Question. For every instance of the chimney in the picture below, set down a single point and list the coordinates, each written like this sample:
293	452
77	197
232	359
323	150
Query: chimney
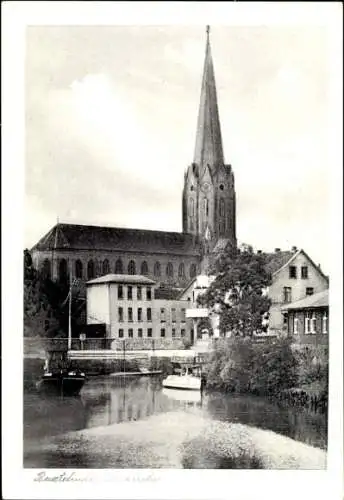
294	249
319	266
277	250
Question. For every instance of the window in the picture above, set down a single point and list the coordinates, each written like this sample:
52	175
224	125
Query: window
120	314
78	269
119	267
304	272
295	326
149	332
144	268
120	291
183	314
174	315
130	314
192	207
309	291
149	314
192	270
63	274
292	272
139	332
90	270
106	267
307	323
130	333
222	187
206	207
181	270
46	324
173	332
287	294
162	332
139	314
222	227
121	333
131	267
139	293
182	332
169	270
313	323
47	269
162	315
130	292
324	323
149	293
222	207
157	269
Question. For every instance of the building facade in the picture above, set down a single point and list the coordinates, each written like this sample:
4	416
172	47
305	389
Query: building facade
126	304
308	320
171	259
294	277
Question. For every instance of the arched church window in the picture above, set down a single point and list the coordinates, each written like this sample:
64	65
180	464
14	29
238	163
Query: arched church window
169	270
119	267
192	207
191	188
206	207
222	187
131	267
222	227
192	270
222	207
181	270
46	269
157	269
90	270
144	268
63	273
106	267
78	269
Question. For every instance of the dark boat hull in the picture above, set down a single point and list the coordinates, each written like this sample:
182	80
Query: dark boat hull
62	385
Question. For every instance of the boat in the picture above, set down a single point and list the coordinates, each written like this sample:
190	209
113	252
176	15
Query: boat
188	397
62	382
60	376
187	377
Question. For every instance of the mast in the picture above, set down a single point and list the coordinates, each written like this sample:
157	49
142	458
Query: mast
70	318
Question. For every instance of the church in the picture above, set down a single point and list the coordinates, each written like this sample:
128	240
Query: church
171	259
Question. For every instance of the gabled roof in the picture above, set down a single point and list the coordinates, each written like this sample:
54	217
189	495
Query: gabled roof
80	237
311	302
280	260
275	261
122	278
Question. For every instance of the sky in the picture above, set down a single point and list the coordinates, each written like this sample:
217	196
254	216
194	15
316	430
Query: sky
111	115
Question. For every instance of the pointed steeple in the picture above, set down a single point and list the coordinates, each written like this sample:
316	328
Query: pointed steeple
208	148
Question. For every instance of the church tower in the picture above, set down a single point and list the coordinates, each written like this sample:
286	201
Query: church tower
209	192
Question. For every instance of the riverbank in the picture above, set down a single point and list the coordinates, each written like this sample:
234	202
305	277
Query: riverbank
176	440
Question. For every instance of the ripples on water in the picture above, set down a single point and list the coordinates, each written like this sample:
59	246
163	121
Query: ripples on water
107	402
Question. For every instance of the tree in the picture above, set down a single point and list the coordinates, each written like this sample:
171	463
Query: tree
237	293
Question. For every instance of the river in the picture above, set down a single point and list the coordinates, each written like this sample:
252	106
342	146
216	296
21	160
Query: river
135	423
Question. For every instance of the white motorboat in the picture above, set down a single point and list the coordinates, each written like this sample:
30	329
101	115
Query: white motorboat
189	378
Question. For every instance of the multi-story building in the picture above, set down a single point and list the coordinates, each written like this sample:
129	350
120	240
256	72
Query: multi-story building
294	277
308	319
126	304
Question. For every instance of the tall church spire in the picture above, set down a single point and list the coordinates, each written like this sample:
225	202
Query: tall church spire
208	148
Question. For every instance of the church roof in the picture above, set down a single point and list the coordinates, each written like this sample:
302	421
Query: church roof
80	237
208	149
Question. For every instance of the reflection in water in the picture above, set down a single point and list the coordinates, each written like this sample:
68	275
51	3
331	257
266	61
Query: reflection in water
109	401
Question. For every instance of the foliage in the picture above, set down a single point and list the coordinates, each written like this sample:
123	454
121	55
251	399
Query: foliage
45	305
242	365
237	293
